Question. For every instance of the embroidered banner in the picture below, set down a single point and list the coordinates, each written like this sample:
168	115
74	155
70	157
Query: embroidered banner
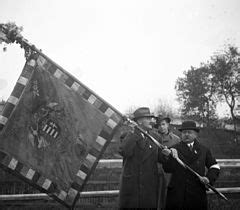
54	130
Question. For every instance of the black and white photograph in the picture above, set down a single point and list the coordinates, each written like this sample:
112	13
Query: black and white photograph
131	104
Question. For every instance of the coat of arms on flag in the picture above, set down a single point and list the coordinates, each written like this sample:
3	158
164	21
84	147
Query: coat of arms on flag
54	129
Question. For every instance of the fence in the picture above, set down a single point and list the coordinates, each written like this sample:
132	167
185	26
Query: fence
108	199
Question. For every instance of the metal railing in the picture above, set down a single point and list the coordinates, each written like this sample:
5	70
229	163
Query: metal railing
93	194
117	163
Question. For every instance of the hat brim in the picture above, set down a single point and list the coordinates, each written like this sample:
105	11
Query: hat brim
139	117
190	128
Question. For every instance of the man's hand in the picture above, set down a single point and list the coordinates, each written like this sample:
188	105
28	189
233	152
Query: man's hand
131	127
130	124
174	153
171	151
166	151
204	180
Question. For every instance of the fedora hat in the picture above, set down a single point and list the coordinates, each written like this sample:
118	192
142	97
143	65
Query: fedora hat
142	112
189	125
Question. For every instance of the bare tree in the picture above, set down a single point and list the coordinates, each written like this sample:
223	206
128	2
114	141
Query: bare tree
165	108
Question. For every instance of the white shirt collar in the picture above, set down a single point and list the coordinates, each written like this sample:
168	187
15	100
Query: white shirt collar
190	144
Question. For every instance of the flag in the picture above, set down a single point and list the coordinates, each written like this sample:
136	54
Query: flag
54	129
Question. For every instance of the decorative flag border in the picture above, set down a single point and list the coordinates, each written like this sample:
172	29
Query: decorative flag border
28	174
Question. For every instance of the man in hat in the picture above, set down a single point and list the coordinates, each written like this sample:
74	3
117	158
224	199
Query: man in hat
139	180
186	191
169	139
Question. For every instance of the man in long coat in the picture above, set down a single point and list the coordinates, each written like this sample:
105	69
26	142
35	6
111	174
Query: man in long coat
169	139
139	180
186	191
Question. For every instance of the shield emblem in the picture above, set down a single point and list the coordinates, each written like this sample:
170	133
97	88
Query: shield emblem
54	130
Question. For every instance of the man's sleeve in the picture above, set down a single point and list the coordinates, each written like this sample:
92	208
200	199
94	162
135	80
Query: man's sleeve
127	143
168	162
213	168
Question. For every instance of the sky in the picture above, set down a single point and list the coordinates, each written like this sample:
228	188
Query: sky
129	52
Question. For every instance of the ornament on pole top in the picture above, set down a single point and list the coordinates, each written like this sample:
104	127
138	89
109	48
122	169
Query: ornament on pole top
11	33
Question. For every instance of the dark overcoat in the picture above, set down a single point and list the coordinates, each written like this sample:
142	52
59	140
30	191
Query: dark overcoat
139	179
185	191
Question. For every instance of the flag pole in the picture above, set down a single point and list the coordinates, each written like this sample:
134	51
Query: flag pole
12	34
180	162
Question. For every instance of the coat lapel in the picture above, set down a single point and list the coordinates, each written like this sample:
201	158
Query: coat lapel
190	156
196	150
150	147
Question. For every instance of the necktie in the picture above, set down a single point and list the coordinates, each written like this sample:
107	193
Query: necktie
191	147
